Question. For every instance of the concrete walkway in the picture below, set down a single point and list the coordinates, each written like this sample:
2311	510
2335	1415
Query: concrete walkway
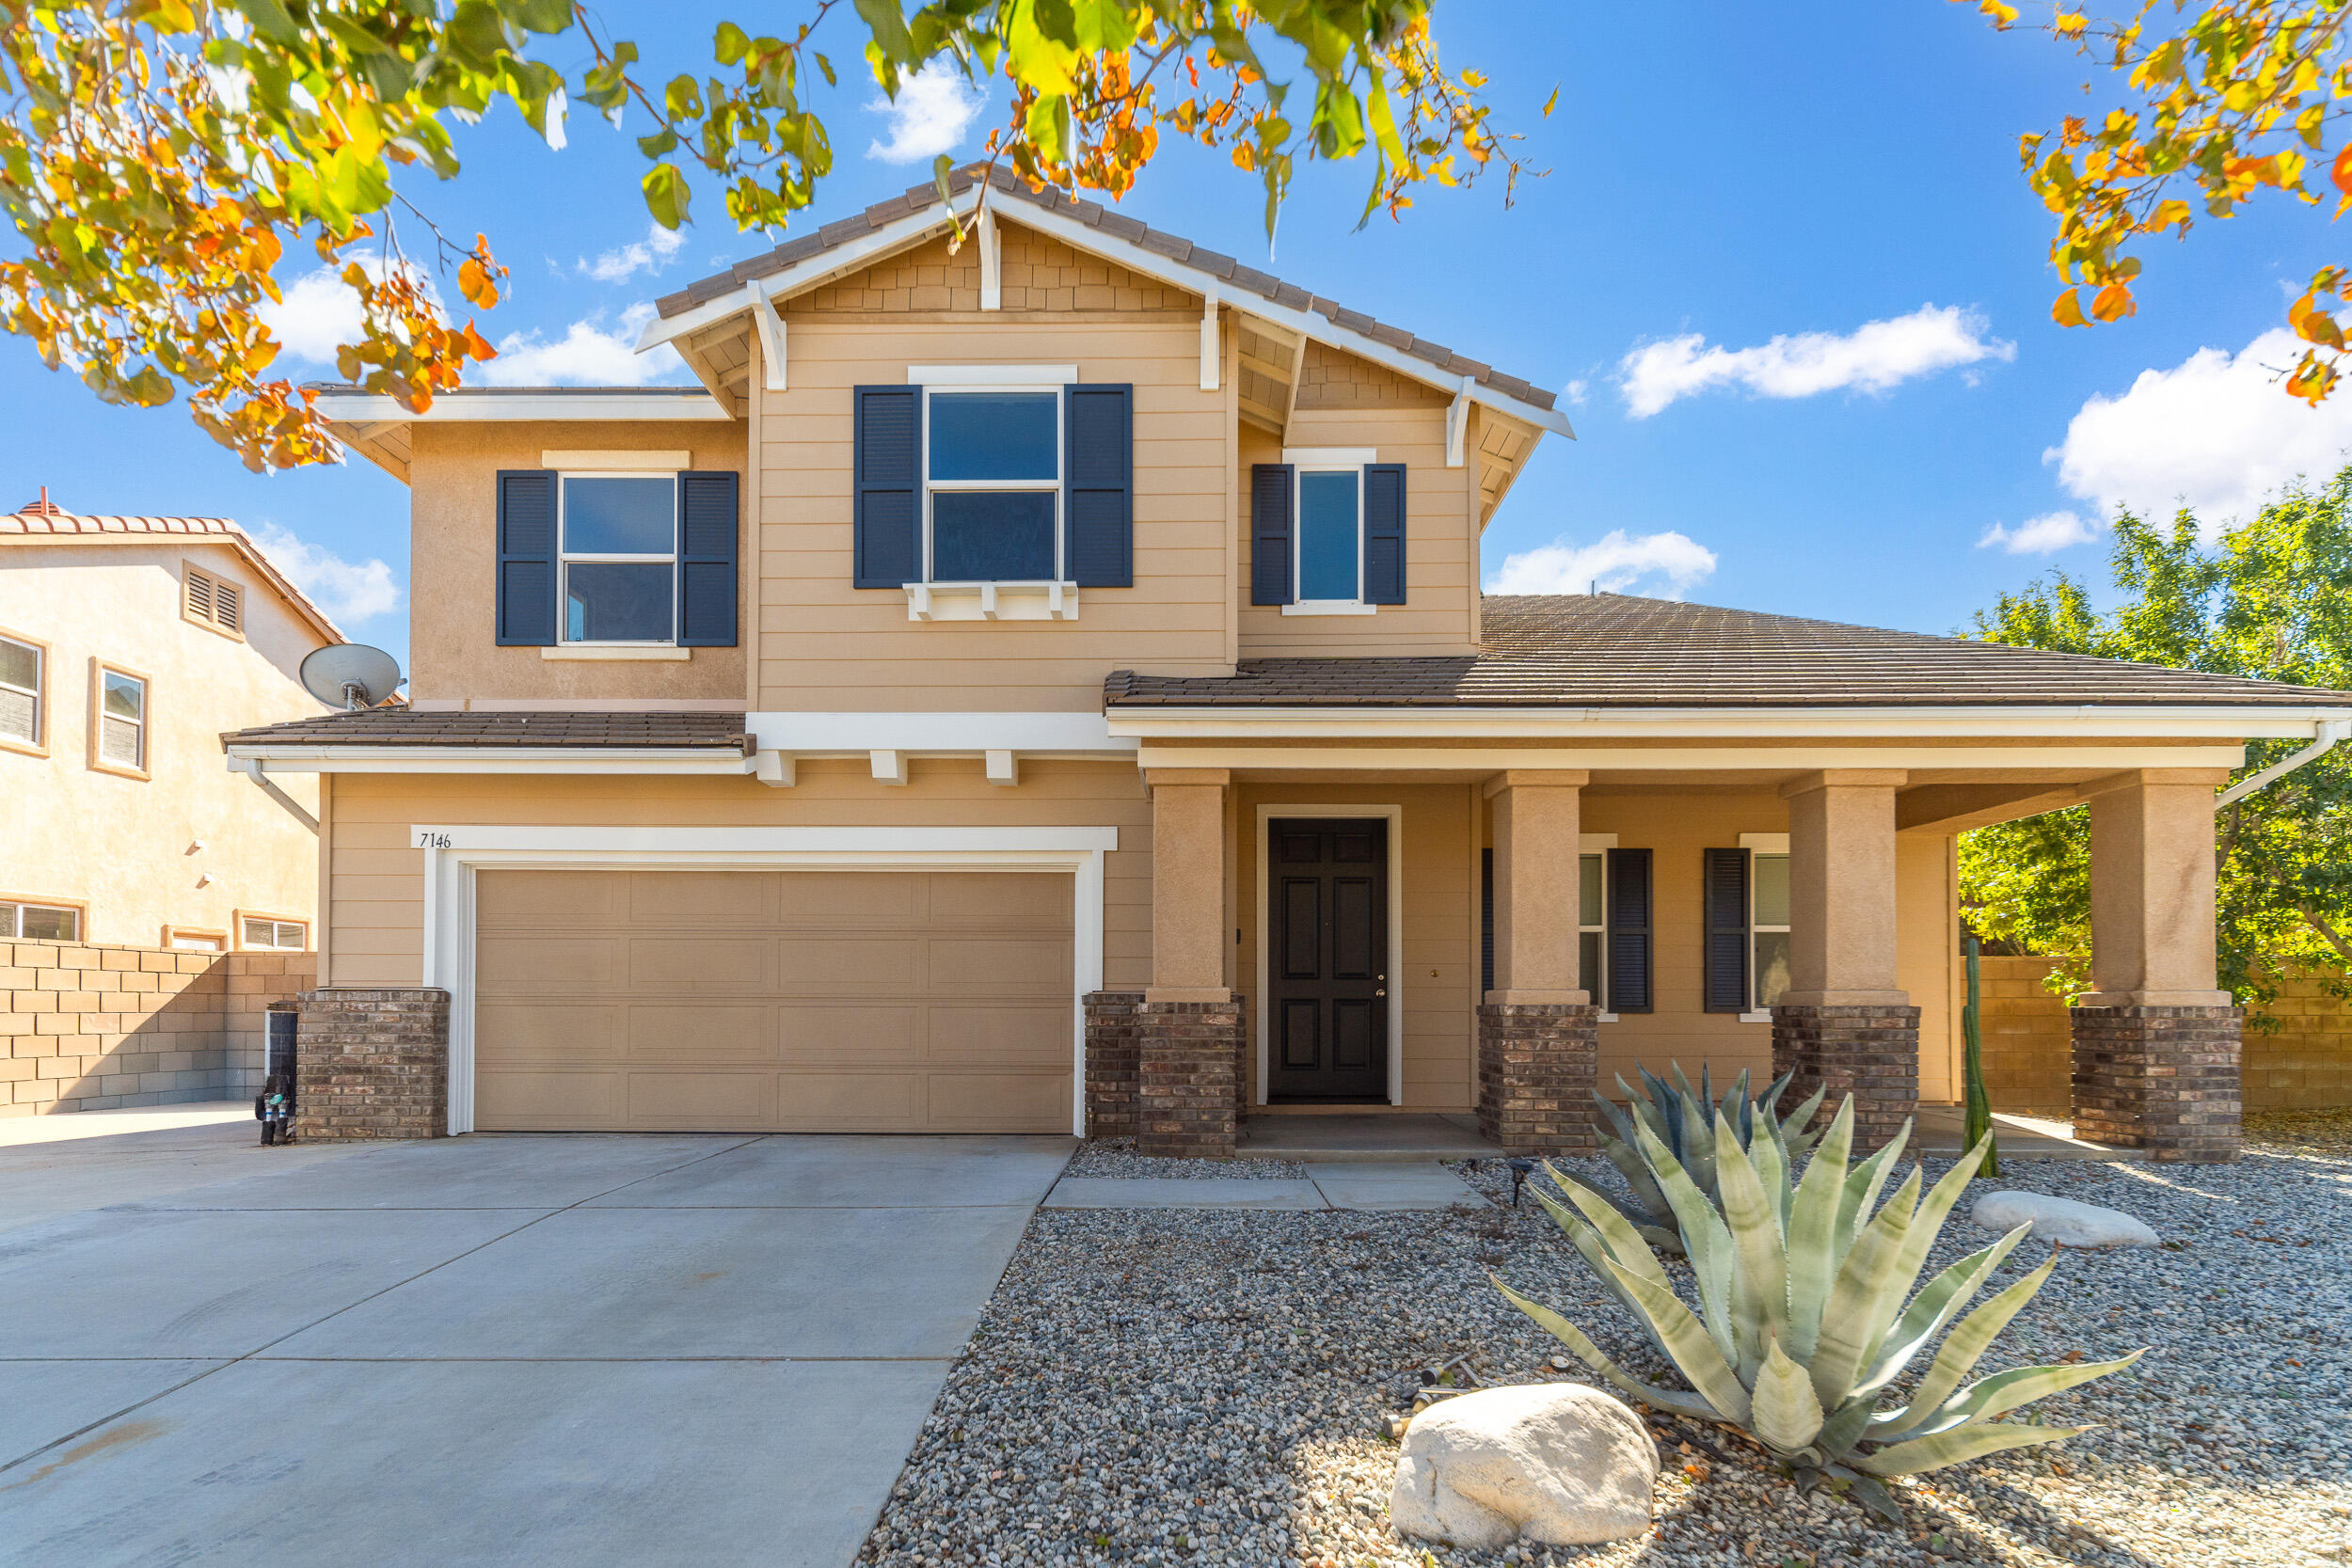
581	1350
1369	1185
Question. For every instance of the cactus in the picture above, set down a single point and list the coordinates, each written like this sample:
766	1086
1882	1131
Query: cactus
1801	1324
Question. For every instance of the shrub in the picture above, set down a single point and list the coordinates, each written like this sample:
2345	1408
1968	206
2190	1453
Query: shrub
1681	1117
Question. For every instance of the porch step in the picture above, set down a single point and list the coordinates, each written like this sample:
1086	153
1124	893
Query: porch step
1394	1138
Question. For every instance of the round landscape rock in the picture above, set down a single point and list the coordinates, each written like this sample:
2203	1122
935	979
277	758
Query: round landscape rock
1561	1464
2062	1220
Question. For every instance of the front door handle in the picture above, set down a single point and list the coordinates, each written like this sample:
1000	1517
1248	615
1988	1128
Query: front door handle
1382	991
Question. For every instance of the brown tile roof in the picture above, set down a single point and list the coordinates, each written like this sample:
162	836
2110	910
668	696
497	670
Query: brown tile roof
1119	226
33	523
407	726
1618	651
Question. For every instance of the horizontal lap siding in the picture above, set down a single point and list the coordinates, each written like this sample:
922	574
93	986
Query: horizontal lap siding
826	645
377	896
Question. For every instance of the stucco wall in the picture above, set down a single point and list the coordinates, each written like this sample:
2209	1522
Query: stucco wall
126	847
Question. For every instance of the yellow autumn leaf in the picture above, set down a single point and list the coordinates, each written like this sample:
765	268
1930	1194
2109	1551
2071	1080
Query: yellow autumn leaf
2066	309
2113	303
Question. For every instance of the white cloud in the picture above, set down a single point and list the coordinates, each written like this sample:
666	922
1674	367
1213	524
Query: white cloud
587	355
933	109
348	591
650	254
319	312
1574	391
1617	563
2215	433
1873	358
2051	531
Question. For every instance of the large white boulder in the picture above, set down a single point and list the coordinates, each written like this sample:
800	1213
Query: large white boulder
2061	1219
1558	1463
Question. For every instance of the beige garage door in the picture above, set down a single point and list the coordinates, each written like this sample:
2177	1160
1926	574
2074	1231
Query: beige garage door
772	1001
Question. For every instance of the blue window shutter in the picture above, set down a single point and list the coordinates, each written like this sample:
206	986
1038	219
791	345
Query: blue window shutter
1630	931
888	507
1726	952
1098	486
526	545
1384	533
1270	491
706	534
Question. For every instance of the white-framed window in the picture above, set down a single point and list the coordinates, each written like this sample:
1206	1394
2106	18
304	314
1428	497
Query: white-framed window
1327	530
23	714
1592	927
618	537
266	933
1768	920
119	720
992	463
183	939
27	920
211	601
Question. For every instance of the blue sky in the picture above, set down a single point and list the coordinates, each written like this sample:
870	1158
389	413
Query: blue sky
1784	263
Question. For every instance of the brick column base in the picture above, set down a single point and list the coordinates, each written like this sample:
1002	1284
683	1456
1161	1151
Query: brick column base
2162	1080
1111	1062
1871	1052
1188	1077
372	1064
1537	1066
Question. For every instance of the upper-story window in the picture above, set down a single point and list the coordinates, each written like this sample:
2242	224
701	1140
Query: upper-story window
118	722
991	483
619	557
1328	531
22	713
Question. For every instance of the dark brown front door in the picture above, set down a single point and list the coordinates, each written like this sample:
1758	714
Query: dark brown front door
1327	961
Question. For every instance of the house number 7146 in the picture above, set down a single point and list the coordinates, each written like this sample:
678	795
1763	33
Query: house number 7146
431	841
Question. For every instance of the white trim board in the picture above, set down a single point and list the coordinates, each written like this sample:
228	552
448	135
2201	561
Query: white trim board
933	733
1783	723
293	758
1394	816
635	403
456	854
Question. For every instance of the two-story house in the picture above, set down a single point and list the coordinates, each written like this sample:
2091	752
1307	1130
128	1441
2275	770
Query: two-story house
1040	683
127	645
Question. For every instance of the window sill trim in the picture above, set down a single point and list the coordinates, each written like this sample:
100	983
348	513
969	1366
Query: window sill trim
594	652
1329	607
1604	1018
1757	1014
30	749
119	771
991	601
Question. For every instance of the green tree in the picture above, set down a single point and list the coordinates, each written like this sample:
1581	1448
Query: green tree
2272	599
157	157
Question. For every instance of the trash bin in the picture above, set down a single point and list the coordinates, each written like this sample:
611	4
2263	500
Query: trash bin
275	1107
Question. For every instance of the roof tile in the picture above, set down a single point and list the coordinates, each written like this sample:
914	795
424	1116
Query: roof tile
406	726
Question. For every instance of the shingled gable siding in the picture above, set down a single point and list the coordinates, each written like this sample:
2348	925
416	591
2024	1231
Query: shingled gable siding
824	644
453	624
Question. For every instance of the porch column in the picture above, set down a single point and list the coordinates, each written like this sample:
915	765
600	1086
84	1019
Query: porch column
2156	1064
1538	1035
1188	1029
1844	1022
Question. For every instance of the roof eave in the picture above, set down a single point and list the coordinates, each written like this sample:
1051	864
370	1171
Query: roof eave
361	757
1353	721
353	412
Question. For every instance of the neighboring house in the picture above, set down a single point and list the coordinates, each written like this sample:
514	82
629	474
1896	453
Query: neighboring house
127	645
1042	684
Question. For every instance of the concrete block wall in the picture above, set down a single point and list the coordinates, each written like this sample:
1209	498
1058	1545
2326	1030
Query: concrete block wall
2306	1064
91	1028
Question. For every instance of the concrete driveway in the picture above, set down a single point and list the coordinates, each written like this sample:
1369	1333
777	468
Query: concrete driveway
562	1349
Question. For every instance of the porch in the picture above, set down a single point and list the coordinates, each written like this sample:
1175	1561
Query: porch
1474	953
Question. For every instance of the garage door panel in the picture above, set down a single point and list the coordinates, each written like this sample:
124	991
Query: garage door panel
999	1036
548	1102
997	1101
785	1001
707	966
552	1032
686	1034
701	1101
850	1034
554	965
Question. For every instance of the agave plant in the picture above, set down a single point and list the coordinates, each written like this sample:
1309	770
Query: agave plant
1679	1117
1802	1327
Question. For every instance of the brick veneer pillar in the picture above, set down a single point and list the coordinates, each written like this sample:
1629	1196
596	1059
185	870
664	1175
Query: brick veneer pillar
1111	1062
1188	1077
372	1064
1537	1064
2162	1080
1871	1052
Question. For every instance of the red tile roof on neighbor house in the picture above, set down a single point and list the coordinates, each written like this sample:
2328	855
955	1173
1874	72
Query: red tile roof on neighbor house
1004	182
43	522
1614	650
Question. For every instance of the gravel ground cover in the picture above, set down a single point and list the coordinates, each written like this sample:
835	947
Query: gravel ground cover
1186	1386
1118	1157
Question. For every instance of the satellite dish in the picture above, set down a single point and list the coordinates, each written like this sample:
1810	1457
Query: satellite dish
350	674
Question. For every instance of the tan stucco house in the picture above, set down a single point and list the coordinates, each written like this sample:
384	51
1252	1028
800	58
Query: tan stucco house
1042	684
127	645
